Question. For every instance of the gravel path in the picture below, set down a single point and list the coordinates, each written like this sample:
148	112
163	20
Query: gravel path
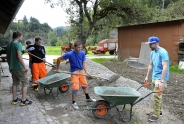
97	69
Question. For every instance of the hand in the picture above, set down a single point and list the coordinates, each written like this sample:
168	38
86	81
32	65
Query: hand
58	70
44	60
24	51
87	73
26	69
146	80
161	86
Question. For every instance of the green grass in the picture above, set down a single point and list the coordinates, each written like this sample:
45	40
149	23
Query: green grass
103	60
53	50
175	69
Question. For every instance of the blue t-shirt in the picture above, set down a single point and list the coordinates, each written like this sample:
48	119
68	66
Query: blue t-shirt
157	57
76	60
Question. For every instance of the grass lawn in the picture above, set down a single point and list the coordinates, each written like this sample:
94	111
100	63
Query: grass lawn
176	69
53	50
102	60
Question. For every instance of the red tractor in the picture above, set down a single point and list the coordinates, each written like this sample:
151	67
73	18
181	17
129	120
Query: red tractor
106	45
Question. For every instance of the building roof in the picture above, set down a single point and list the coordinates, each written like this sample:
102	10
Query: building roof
8	11
176	20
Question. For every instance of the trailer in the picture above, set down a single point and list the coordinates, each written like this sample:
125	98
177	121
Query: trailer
106	45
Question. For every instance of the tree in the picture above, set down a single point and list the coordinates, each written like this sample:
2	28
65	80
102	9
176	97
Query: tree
53	41
85	14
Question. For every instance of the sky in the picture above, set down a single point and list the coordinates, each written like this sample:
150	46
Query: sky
43	12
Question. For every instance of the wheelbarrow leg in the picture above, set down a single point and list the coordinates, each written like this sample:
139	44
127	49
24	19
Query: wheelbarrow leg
128	120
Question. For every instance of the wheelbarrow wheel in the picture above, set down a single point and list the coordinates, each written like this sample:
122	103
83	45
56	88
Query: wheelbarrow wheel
47	91
64	87
102	107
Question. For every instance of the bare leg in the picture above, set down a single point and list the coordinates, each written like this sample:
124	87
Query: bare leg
85	91
73	96
14	92
24	92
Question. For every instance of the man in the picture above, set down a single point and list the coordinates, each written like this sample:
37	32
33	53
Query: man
38	65
159	62
77	65
18	69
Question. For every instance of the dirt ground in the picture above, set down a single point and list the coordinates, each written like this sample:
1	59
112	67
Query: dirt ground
174	94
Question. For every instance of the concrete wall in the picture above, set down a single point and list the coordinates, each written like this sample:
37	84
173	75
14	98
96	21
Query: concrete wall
144	55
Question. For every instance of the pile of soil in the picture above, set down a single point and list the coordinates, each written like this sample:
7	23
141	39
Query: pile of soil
173	97
56	78
114	92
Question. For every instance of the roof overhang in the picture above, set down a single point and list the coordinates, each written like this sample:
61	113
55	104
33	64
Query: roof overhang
8	11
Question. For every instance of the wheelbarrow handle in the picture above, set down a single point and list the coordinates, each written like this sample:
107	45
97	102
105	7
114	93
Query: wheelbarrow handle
144	85
157	91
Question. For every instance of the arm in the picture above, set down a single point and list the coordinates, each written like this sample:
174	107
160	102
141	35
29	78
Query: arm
19	55
21	60
164	64
44	53
85	68
58	64
149	69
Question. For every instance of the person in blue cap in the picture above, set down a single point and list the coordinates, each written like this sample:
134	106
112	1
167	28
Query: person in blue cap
159	64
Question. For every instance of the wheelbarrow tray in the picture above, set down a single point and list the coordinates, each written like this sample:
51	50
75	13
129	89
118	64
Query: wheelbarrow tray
57	83
129	98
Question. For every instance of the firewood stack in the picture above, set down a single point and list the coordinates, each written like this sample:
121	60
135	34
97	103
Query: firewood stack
181	50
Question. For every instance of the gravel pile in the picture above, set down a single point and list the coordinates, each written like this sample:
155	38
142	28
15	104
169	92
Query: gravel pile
114	92
56	78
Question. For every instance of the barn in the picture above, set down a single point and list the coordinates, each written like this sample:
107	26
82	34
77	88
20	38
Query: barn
170	33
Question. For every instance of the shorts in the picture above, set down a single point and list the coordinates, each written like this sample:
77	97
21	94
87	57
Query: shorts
20	76
78	79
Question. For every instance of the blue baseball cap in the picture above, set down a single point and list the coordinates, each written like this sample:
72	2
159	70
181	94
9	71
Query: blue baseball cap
153	39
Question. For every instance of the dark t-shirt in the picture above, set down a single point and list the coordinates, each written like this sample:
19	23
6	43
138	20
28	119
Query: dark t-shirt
38	51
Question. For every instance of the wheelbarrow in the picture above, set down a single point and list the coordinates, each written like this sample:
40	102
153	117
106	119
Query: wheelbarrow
61	84
101	107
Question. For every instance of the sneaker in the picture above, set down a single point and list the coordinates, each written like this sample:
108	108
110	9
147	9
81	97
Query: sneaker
26	102
14	102
151	113
90	100
75	106
153	118
36	89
